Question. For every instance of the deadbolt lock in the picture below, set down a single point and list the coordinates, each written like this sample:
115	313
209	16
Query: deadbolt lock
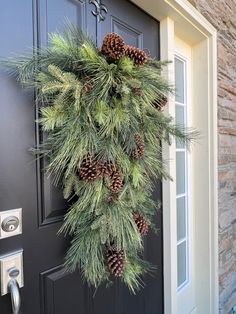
10	224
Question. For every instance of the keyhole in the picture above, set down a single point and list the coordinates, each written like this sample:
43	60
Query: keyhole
11	228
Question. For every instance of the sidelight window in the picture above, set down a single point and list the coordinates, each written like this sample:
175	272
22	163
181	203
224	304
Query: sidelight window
182	206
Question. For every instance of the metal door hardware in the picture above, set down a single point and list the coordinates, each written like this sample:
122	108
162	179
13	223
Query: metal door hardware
99	10
10	223
11	269
15	296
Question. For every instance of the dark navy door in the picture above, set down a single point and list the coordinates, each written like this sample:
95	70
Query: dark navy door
47	289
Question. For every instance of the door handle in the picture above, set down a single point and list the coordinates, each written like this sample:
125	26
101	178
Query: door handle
11	271
13	288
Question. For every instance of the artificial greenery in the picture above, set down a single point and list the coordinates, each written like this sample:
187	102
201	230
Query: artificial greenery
94	106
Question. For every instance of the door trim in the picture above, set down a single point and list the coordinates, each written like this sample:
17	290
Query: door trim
179	18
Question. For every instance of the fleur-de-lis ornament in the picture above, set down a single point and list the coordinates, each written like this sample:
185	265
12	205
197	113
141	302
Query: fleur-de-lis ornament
100	9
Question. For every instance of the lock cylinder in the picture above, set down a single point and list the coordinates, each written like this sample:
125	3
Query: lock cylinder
10	224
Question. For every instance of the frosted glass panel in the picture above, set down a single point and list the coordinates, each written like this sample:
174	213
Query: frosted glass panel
179	119
180	172
179	115
182	266
182	209
181	218
179	80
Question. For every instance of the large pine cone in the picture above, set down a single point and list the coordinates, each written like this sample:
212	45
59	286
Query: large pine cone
116	182
141	223
88	170
137	55
116	261
160	103
139	151
113	46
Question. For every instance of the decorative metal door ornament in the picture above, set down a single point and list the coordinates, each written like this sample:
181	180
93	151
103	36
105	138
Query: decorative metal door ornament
99	9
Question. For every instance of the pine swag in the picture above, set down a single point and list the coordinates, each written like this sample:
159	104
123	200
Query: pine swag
101	110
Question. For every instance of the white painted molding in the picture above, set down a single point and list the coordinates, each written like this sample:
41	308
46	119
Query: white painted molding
169	187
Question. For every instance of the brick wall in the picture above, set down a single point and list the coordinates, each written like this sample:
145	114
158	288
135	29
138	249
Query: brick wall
222	14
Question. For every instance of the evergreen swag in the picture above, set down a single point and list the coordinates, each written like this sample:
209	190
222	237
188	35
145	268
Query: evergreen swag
102	112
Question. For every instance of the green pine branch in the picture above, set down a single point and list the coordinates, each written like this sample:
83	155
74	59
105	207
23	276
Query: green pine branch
101	120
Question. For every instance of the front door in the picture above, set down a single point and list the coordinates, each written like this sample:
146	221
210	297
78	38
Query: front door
47	289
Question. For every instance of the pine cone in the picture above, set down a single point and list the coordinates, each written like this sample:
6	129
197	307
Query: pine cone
139	151
137	91
88	169
116	183
141	223
160	103
137	55
86	87
116	261
113	46
106	169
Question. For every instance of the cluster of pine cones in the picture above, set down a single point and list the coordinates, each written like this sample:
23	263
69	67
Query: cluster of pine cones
114	48
116	257
91	169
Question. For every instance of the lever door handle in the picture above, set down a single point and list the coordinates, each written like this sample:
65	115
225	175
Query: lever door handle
14	290
15	296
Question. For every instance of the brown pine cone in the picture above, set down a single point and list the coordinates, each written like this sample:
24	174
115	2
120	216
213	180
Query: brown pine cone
160	103
141	223
139	151
115	261
137	91
116	182
113	46
137	55
109	168
86	88
106	169
88	169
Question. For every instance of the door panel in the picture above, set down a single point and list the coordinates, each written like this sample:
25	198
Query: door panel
51	16
55	300
136	27
47	289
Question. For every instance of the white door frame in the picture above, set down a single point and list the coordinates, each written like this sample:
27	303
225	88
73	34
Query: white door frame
180	18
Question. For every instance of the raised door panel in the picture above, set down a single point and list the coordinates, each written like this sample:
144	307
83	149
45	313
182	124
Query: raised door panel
62	293
52	15
137	27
